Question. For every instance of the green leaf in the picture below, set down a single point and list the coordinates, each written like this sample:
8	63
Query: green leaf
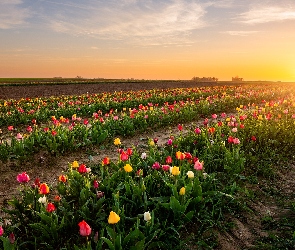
128	191
134	235
110	244
111	232
138	246
175	205
102	137
118	242
6	244
45	218
189	216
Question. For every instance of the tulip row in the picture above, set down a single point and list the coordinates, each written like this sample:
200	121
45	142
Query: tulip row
16	112
76	132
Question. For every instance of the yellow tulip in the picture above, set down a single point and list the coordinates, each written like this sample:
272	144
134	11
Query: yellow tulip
128	168
182	191
113	218
175	170
75	164
117	141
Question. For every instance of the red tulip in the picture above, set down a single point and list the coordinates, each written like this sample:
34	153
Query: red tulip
168	159
82	169
50	207
62	178
124	156
106	161
95	184
85	229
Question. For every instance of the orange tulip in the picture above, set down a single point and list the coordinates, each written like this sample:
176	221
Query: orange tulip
43	189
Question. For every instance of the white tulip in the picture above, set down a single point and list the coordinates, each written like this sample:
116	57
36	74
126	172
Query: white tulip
43	200
190	174
147	216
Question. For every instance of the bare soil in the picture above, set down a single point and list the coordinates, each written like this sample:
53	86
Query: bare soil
247	228
17	92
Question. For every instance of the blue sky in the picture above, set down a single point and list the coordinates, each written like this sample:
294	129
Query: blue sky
175	39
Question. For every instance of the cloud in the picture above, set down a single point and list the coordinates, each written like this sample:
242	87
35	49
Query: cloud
144	21
265	14
12	14
239	32
222	3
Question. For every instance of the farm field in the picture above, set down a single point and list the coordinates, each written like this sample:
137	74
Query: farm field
156	166
18	88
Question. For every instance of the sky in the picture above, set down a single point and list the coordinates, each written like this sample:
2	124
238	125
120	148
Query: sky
148	39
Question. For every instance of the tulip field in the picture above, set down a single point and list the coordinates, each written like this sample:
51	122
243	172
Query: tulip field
228	149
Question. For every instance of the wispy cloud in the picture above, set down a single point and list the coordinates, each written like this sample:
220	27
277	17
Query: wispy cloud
265	14
12	14
147	21
222	3
240	32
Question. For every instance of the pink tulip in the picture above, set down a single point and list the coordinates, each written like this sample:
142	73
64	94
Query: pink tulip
236	141
23	178
223	115
19	136
29	129
156	166
166	168
169	142
198	131
198	165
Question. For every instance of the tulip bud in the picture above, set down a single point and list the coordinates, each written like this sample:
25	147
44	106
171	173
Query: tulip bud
182	191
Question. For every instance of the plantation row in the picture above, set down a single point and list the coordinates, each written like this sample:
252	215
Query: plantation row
65	124
152	196
24	111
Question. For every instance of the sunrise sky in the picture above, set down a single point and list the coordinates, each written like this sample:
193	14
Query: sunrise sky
148	39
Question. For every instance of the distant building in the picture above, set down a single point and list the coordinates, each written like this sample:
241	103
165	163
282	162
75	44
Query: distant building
204	79
237	79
